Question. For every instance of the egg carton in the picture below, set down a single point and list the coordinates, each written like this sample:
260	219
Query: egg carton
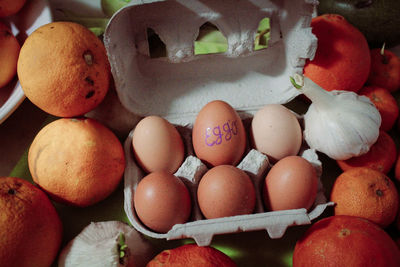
178	85
255	165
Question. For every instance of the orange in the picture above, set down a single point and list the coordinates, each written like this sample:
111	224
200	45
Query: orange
10	7
366	193
385	102
30	228
76	161
9	51
381	155
63	69
345	241
385	69
397	170
191	255
342	60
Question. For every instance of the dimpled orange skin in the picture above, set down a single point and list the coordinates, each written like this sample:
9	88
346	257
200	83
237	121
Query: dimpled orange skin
385	70
63	69
76	161
10	7
191	255
381	156
30	228
366	193
385	102
342	60
218	134
345	241
9	51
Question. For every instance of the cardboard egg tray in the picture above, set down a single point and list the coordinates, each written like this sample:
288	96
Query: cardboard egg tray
179	84
255	165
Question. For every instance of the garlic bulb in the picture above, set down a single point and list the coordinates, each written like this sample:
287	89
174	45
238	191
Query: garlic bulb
107	244
340	124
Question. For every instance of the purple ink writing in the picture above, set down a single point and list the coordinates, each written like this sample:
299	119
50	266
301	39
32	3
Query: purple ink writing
217	134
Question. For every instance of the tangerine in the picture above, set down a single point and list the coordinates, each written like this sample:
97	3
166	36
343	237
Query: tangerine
63	69
76	161
385	69
346	241
385	102
381	155
342	60
10	7
366	193
192	255
30	228
9	51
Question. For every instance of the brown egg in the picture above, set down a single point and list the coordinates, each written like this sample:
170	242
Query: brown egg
218	134
290	184
157	145
225	191
162	200
276	132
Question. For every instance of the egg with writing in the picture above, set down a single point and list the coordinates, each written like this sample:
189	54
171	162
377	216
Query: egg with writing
290	184
218	134
276	132
162	200
224	191
157	145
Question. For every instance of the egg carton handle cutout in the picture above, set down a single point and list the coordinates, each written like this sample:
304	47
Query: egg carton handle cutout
179	84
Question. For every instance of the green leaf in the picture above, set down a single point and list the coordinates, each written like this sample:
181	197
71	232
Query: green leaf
263	35
210	41
109	7
94	24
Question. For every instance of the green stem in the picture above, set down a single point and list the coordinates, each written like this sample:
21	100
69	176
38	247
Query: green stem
313	91
122	247
385	59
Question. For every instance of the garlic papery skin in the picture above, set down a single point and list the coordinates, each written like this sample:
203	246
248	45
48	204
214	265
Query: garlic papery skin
97	246
340	124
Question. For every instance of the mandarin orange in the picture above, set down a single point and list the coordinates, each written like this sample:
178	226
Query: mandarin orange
342	60
76	161
385	102
30	228
345	241
10	7
381	156
385	69
366	193
63	69
9	51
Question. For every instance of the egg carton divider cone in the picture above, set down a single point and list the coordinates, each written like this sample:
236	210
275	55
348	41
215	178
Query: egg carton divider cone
179	84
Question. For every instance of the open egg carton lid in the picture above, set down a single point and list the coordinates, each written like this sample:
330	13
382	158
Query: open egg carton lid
178	85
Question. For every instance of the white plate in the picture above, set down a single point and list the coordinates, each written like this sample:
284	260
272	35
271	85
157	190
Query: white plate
34	14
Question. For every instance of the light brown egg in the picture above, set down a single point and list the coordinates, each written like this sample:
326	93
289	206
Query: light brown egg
162	200
225	191
290	184
157	145
276	132
218	134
